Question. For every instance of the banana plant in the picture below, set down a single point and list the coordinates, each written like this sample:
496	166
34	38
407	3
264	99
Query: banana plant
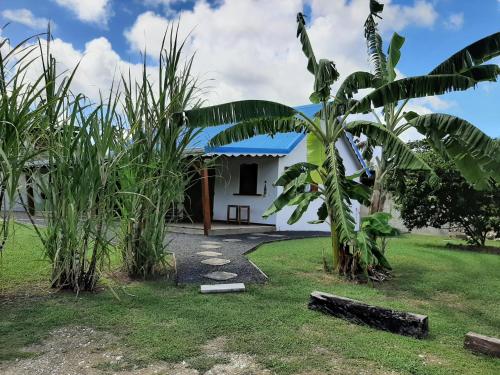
475	154
324	166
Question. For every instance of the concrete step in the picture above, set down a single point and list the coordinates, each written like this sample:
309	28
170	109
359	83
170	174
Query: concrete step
222	288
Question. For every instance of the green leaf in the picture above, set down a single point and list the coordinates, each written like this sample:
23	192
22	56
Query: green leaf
293	172
488	72
336	195
394	55
377	225
234	112
306	44
476	155
303	200
282	201
359	192
315	155
382	260
350	86
395	150
326	75
472	55
374	43
413	87
248	129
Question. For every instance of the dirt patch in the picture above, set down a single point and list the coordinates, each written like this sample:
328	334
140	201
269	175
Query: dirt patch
226	363
85	351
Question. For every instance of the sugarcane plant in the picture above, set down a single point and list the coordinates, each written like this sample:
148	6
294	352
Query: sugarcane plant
156	168
324	166
19	115
79	181
475	155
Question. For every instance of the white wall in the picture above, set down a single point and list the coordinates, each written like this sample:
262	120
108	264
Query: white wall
227	183
299	154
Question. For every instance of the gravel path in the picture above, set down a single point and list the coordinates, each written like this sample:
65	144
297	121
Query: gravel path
190	270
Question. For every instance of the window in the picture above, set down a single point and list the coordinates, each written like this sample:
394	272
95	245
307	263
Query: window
248	179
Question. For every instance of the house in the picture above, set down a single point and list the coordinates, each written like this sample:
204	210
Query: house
240	180
243	175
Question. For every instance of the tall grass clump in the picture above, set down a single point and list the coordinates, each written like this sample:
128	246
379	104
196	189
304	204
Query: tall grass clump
19	112
80	185
154	172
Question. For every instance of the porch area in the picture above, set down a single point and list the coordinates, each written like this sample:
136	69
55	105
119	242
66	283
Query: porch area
220	228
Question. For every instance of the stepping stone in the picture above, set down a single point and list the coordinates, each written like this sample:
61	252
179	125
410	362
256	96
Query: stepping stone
211	243
210	246
253	238
216	261
232	240
209	254
222	288
276	235
220	275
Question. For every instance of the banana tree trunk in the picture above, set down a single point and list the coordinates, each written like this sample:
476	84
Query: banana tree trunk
335	243
379	193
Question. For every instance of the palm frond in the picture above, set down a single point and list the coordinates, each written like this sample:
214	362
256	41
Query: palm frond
488	72
303	201
396	151
336	195
412	87
472	55
248	129
233	112
397	42
293	172
476	155
312	64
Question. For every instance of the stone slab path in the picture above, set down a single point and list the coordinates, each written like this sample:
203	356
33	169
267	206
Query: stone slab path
194	266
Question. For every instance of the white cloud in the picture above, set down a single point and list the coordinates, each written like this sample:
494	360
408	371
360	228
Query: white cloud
90	11
26	18
454	21
99	66
248	47
250	50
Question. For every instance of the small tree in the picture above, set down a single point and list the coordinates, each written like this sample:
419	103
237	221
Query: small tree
452	201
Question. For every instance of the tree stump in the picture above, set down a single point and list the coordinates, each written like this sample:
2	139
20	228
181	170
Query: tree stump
482	344
403	323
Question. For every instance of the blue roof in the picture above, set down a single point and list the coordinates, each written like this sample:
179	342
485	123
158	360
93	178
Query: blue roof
281	143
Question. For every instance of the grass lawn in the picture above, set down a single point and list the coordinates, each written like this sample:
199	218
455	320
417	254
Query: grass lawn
458	290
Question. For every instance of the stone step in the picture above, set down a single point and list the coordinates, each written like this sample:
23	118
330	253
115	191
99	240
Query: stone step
222	288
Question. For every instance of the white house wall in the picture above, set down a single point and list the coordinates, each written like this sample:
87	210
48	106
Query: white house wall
299	154
227	183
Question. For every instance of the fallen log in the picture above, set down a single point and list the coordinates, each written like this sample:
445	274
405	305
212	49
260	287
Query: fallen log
482	344
402	323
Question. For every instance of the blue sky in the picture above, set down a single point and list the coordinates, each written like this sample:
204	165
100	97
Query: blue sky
247	49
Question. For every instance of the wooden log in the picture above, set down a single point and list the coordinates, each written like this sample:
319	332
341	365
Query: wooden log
402	323
482	344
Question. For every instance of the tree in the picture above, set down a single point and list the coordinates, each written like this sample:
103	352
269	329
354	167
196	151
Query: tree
451	202
324	165
474	154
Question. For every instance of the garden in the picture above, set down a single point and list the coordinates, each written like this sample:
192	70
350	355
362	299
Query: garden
92	286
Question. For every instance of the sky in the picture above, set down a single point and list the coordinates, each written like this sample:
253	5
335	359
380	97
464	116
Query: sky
247	49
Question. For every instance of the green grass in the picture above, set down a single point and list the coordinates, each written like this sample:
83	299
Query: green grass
458	290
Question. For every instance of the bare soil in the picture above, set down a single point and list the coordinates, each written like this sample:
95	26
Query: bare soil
84	351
